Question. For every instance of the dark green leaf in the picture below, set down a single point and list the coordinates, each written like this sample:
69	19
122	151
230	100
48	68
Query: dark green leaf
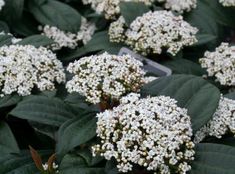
44	110
214	159
9	100
21	163
12	11
75	164
8	143
99	42
86	154
131	10
204	39
194	93
75	132
184	66
26	26
55	13
111	167
4	27
36	40
231	95
5	40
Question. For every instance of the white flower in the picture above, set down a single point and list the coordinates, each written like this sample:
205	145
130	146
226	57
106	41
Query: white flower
227	3
24	67
179	5
130	98
222	122
111	8
153	133
117	30
154	31
54	165
105	77
221	64
2	3
68	39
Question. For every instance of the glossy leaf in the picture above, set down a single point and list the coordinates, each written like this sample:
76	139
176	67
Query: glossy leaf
44	110
75	132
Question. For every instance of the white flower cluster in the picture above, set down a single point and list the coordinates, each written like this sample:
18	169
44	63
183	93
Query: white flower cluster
2	3
227	3
117	30
153	133
179	6
68	39
221	64
111	8
54	165
222	122
24	67
154	31
105	76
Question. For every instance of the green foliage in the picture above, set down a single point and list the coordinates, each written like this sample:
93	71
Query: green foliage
193	93
76	132
131	10
55	13
37	41
44	110
8	143
213	159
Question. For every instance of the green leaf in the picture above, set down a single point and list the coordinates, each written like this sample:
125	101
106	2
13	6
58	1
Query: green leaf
8	143
131	10
111	167
75	132
99	42
193	93
12	10
79	103
9	100
36	40
184	66
75	164
5	40
86	154
204	39
203	18
213	159
26	26
231	95
21	163
44	110
55	13
4	27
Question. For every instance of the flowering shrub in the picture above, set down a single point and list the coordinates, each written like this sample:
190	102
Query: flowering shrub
179	5
222	122
117	86
105	77
153	132
221	64
25	67
68	39
154	31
